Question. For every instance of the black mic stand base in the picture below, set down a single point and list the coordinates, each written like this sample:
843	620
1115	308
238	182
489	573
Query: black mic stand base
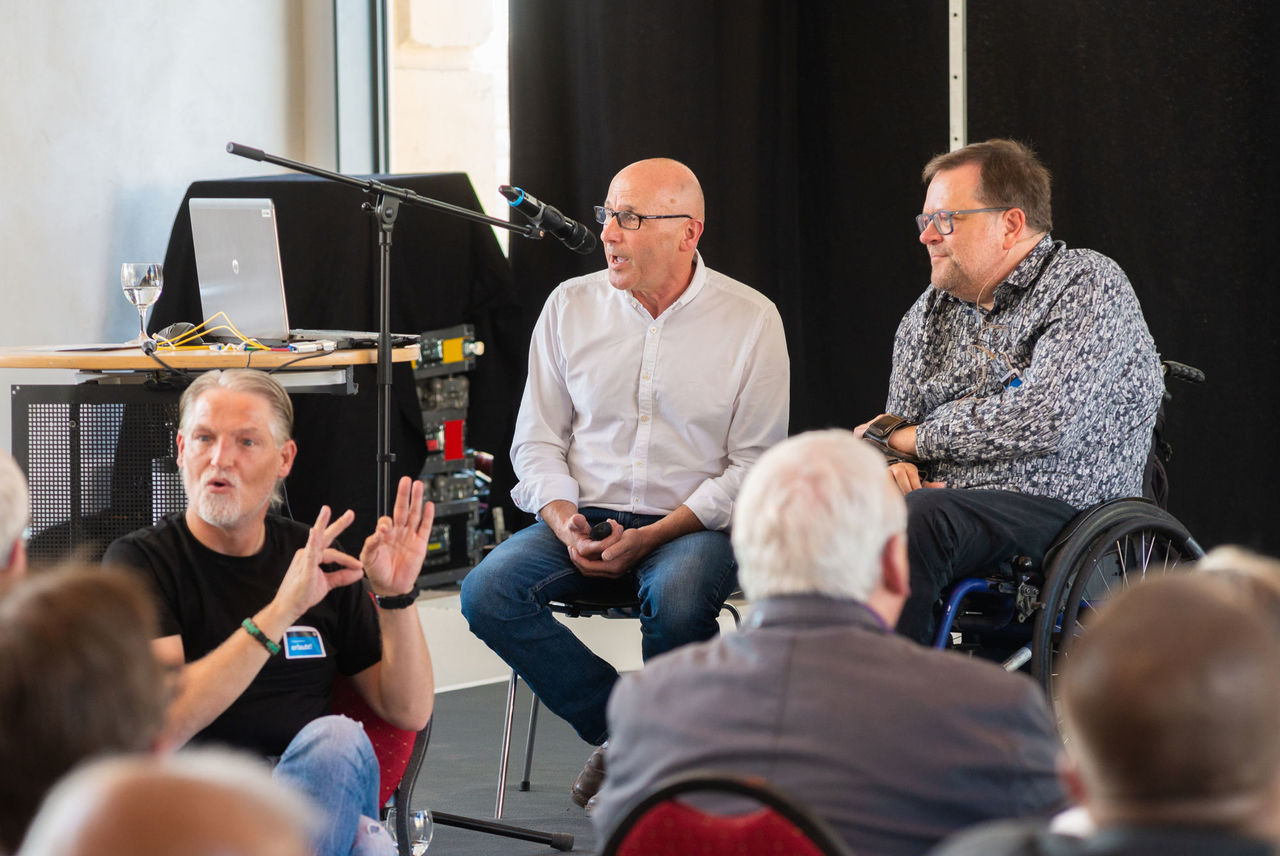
557	840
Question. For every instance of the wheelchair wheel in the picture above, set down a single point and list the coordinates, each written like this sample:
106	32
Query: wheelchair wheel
1116	545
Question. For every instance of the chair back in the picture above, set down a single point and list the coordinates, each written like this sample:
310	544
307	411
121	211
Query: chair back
661	823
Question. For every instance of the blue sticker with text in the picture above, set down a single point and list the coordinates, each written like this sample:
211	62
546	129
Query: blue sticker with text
303	643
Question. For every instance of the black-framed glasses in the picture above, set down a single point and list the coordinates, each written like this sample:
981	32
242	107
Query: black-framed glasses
630	219
943	220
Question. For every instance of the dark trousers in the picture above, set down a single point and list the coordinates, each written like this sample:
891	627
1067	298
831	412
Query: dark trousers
953	533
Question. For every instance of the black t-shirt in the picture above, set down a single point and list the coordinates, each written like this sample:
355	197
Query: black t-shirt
203	595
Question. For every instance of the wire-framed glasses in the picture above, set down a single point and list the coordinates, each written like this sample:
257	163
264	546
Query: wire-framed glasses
943	220
630	219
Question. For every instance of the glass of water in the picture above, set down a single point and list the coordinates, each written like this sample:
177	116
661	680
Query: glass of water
421	826
142	283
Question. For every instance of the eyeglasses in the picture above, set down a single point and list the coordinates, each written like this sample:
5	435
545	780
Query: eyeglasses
630	219
942	220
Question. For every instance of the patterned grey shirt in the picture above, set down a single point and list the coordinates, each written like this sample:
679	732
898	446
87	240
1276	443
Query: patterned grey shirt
1053	392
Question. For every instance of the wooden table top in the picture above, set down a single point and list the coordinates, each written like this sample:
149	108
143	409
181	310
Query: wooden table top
132	359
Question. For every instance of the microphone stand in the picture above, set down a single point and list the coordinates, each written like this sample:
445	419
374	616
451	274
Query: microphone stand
385	208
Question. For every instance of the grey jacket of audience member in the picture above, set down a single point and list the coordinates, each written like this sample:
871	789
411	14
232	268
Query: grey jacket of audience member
895	745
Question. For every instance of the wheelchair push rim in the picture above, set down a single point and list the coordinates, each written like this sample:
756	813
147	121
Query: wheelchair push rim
1077	581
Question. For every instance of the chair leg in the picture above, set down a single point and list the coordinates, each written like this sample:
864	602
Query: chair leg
506	744
528	743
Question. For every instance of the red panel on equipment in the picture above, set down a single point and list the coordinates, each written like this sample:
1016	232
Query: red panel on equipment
453	449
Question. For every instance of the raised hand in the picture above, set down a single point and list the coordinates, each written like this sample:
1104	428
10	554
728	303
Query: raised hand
393	554
305	584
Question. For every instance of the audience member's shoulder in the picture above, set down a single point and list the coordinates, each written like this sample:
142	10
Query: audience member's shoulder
1009	838
960	676
661	672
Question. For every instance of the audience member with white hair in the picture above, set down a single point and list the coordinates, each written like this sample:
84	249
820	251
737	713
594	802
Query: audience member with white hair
200	802
893	744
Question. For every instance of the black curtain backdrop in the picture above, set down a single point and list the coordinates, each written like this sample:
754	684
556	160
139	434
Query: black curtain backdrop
808	124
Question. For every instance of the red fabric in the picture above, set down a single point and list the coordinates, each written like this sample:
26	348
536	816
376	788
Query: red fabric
680	830
392	745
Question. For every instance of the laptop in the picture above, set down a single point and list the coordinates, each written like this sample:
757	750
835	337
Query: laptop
238	266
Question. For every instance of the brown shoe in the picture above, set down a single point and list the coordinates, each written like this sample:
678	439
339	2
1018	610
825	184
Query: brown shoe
590	779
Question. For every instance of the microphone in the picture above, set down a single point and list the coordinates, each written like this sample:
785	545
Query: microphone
571	233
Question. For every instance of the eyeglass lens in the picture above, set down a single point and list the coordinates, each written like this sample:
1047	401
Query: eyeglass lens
941	221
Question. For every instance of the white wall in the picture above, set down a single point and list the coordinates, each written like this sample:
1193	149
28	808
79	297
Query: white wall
108	110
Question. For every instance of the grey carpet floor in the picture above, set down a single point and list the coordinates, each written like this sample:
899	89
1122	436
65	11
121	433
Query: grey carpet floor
460	771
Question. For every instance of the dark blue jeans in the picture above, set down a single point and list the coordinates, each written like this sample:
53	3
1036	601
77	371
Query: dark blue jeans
953	533
681	586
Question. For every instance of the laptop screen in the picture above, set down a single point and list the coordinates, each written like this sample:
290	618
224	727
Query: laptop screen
238	266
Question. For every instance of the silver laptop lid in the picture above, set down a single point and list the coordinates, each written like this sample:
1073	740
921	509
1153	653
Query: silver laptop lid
238	266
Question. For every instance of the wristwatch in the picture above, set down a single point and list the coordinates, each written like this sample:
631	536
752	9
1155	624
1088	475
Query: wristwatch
397	601
877	434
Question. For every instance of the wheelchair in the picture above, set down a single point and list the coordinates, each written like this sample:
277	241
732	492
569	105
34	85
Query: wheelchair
1027	616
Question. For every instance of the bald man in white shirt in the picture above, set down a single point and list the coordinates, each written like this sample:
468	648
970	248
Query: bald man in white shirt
653	386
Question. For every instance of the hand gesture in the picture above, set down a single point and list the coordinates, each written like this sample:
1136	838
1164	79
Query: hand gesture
393	554
305	584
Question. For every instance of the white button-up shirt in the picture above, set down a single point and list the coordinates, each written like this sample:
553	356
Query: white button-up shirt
633	413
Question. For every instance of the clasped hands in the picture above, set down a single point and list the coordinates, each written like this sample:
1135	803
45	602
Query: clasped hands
904	474
392	556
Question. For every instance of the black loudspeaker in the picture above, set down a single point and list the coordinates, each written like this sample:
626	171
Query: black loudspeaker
99	460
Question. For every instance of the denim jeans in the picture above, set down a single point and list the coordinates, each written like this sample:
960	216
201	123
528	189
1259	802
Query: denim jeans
332	762
953	533
680	585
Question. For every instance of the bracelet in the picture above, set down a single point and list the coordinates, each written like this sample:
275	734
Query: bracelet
254	631
397	601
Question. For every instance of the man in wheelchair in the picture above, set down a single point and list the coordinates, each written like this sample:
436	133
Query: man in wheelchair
1025	383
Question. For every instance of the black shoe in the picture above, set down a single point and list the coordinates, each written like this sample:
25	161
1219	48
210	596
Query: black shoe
590	779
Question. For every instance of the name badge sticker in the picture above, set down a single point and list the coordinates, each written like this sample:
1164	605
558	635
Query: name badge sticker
303	643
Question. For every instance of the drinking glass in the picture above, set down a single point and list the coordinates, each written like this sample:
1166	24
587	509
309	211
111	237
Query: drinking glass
142	283
421	826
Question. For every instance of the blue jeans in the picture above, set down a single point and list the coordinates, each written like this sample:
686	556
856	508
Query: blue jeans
331	761
680	585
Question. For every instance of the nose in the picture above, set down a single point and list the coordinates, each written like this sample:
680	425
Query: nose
221	451
930	235
609	232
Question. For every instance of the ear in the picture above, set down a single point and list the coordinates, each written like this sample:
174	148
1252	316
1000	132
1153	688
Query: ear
17	563
894	568
1072	780
288	452
690	234
181	443
1014	222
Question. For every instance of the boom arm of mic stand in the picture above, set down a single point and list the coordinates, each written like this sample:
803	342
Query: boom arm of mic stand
369	185
385	211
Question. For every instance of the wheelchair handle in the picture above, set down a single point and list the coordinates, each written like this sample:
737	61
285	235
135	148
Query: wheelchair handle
1182	371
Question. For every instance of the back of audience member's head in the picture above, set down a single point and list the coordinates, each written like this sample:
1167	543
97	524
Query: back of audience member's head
197	802
814	516
1256	578
14	513
1172	709
77	678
